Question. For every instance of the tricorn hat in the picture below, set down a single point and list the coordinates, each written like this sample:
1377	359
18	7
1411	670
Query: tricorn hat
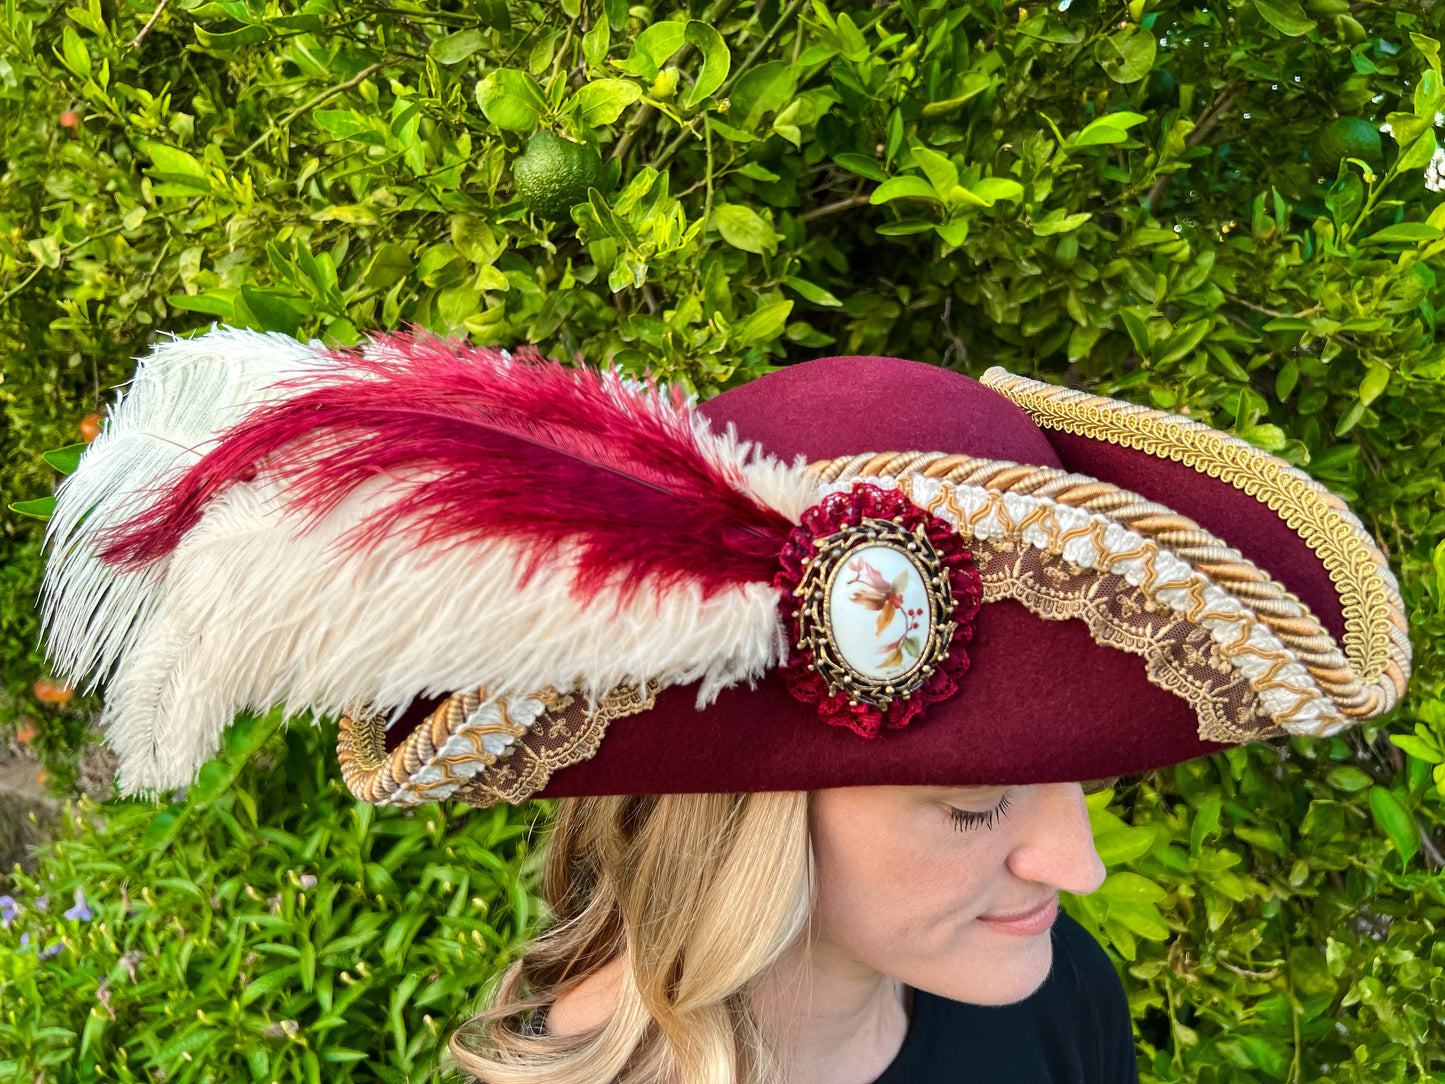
511	578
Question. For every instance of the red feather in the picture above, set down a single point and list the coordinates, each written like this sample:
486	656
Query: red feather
483	449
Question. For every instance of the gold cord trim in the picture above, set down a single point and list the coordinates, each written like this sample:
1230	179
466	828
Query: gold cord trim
1371	602
1285	615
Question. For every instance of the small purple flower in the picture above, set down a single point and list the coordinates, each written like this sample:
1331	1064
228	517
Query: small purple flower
308	880
53	950
42	903
81	912
179	795
8	910
24	940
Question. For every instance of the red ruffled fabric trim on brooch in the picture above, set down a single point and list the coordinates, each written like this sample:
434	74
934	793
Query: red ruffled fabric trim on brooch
837	512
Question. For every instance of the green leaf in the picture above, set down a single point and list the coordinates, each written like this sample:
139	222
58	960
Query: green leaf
66	459
219	302
716	61
901	188
1419	748
1377	378
1128	55
1286	16
349	124
389	264
972	85
744	228
602	101
273	311
454	48
177	167
1205	825
1138	330
812	292
233	39
1183	342
511	100
1437	561
653	48
993	189
77	58
953	233
760	91
1347	778
1429	48
1110	128
595	44
494	13
1130	886
1056	221
1124	844
905	227
1396	821
862	165
1405	231
41	508
764	324
755	171
941	173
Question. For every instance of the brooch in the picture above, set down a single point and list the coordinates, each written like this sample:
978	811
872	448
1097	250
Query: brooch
881	597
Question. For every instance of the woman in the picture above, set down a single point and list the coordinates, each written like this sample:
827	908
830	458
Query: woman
818	699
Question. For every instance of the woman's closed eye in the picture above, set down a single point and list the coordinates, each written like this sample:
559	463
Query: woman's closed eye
969	819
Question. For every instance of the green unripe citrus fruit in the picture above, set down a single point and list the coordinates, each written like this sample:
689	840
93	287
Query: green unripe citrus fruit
554	173
1347	137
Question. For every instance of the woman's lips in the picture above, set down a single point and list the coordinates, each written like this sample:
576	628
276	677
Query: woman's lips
1025	923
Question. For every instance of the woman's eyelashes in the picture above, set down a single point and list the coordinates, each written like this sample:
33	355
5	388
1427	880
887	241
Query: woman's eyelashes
968	819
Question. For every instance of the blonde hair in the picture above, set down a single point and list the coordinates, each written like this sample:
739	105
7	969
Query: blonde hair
698	895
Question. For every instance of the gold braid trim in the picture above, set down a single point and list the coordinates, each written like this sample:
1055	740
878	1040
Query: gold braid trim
546	731
1288	618
1376	640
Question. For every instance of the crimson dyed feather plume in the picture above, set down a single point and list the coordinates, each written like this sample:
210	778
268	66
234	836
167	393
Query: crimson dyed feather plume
321	531
481	447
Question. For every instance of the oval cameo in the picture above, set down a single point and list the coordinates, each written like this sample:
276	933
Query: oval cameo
878	612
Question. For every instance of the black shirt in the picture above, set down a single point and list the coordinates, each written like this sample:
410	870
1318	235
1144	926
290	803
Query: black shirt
1074	1029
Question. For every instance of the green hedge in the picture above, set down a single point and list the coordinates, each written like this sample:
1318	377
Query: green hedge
264	926
1142	199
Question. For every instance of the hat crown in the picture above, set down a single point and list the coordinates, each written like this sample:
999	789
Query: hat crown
845	405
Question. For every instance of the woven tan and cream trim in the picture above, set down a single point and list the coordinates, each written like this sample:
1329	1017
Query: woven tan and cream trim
478	749
1376	631
1138	597
1020	503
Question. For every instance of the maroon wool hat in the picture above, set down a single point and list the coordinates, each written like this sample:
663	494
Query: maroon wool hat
516	579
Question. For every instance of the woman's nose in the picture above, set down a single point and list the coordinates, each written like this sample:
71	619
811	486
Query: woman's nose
1057	847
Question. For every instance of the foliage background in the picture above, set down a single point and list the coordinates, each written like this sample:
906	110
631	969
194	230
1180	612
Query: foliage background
1130	198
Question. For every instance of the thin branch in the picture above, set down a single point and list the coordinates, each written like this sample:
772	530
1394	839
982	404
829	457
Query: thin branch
1207	123
1272	312
135	42
28	278
329	92
1243	972
1437	861
859	200
643	117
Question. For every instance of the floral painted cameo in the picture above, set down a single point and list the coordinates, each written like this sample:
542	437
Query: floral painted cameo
881	597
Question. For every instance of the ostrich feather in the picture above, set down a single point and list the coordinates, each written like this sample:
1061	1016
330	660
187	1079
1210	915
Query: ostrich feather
427	517
182	395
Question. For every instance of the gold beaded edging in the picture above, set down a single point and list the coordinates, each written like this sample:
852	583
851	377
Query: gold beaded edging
1375	624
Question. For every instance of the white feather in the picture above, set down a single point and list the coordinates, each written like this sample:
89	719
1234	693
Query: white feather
182	396
249	611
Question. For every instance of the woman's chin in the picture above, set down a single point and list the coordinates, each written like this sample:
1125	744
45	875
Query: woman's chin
1010	974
